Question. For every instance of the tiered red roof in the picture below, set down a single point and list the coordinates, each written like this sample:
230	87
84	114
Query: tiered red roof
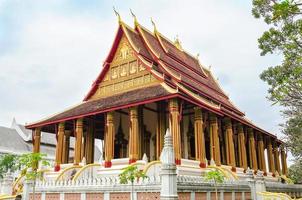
168	63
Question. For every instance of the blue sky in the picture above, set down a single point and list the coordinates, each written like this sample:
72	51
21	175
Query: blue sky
51	51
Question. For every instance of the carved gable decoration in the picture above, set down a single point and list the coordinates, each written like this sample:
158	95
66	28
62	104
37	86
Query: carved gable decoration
125	73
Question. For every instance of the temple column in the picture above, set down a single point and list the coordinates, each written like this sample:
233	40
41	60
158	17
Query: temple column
283	161
252	150
133	136
229	144
37	140
78	142
109	139
200	151
214	140
66	144
271	162
276	158
262	164
59	148
89	153
161	128
242	148
174	123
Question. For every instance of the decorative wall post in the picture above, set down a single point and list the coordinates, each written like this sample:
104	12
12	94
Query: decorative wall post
168	170
252	150
109	139
37	140
262	164
59	147
78	143
161	128
66	144
283	161
214	140
199	138
7	184
174	123
277	160
133	136
271	162
229	144
242	148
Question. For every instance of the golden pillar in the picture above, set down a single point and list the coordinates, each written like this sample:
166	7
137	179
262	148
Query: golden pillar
161	128
133	136
252	150
276	158
200	151
242	148
271	162
283	161
109	139
229	144
262	164
78	142
59	148
89	145
174	121
214	140
66	144
37	140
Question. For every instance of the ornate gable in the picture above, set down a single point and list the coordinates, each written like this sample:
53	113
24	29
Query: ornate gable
125	73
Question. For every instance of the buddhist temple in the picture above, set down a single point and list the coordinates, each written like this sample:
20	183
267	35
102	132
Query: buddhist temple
149	84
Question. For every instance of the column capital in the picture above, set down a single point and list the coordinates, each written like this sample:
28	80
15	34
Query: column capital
37	131
228	122
239	128
213	118
250	132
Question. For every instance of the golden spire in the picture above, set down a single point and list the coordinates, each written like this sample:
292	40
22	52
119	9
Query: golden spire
134	17
177	43
154	25
117	14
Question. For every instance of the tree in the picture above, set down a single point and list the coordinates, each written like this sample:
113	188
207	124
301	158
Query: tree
295	172
284	37
217	177
8	162
130	174
30	163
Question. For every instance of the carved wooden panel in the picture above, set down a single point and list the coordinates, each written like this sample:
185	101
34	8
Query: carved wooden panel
120	196
201	196
52	196
184	196
148	196
226	195
247	196
72	196
125	73
37	196
238	196
94	196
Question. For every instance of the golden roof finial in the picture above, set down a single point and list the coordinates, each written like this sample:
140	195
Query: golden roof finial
154	25
117	14
134	17
177	43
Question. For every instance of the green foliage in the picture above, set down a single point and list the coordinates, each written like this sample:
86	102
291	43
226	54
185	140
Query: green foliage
130	174
295	172
214	175
8	162
284	37
29	163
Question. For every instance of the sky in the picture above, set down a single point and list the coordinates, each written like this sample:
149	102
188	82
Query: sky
52	50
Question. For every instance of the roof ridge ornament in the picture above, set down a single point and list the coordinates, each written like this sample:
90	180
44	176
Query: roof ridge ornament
177	43
134	17
154	26
118	15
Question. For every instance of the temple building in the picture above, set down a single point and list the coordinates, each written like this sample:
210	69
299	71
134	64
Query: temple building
149	84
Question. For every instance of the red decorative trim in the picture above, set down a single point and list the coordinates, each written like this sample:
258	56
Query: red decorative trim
178	161
233	169
202	165
108	164
57	168
265	173
132	160
274	175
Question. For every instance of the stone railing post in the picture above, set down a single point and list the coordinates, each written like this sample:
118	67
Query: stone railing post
26	189
168	170
7	184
